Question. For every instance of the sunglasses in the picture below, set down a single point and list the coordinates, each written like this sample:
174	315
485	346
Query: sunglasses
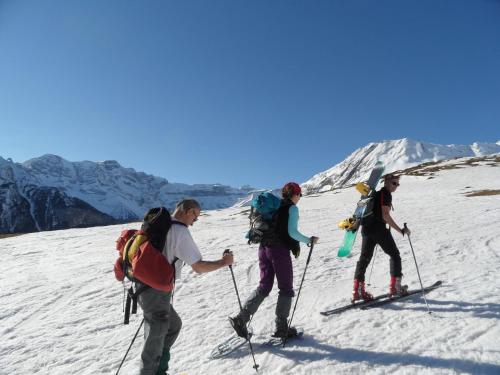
395	183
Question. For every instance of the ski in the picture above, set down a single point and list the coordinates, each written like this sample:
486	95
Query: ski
399	298
355	305
377	301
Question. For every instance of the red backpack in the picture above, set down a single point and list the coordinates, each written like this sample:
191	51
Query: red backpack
141	252
141	261
141	257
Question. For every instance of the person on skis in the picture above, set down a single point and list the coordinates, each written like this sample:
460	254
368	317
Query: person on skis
275	261
161	322
375	232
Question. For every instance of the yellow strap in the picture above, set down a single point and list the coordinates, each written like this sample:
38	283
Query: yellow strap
133	245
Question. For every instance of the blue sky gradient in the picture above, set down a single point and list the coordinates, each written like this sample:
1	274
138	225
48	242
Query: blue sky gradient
243	92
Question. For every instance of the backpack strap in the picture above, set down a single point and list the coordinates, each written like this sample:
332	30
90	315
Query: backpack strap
132	299
175	258
250	216
126	263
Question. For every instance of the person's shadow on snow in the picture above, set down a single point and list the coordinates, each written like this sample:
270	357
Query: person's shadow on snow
372	358
478	309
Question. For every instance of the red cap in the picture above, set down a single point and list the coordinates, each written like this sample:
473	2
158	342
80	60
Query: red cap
292	188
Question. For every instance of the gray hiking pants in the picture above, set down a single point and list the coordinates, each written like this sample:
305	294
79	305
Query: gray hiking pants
161	328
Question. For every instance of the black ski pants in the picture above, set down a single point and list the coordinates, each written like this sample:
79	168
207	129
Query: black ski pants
377	235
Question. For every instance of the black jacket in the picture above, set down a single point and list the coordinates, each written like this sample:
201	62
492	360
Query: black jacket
282	226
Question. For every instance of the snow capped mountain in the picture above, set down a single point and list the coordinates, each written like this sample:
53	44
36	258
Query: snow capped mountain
36	193
397	155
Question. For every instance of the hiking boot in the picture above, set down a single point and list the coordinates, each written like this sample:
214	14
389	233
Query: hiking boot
282	329
239	325
396	289
359	292
282	332
163	365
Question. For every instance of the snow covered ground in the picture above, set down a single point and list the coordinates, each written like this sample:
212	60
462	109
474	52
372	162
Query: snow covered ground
61	309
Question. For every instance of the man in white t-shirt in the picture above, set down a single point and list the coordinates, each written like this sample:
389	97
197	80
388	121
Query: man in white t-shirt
162	324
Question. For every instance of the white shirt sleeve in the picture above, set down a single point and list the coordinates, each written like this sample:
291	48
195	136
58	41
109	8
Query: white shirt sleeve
180	245
186	249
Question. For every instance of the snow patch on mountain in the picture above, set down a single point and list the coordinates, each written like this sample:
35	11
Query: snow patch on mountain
396	155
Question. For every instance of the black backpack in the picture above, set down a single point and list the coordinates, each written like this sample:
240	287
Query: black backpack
156	224
264	208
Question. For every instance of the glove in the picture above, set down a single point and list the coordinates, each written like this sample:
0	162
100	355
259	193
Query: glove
296	251
313	240
406	231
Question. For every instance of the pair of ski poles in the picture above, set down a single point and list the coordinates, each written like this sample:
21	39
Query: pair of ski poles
416	265
256	366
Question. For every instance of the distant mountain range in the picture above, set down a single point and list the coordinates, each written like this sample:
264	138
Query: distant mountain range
397	155
50	192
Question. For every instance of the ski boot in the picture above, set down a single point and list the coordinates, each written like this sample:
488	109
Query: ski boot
163	365
396	289
239	322
359	292
282	311
239	325
282	329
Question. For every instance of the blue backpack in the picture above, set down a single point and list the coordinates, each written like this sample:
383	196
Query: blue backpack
262	214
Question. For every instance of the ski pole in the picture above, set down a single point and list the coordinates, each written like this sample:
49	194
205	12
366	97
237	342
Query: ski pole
373	263
256	366
298	294
123	360
418	272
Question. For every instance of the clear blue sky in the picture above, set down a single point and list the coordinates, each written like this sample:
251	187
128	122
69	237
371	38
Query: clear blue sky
243	92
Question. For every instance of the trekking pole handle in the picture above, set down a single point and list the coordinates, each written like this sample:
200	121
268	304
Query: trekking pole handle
227	251
310	252
405	227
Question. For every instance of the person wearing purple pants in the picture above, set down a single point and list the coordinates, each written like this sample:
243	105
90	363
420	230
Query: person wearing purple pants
275	261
